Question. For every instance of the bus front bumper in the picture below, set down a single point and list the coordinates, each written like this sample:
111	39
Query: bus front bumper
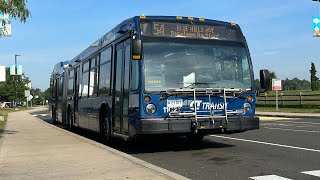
185	125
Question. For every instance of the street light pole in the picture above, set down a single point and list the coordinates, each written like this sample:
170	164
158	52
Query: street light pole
15	78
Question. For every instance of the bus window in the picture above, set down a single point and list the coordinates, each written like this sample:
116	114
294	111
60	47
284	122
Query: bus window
93	81
134	75
104	81
85	79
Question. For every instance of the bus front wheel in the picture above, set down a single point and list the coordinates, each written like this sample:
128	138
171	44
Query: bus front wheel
194	138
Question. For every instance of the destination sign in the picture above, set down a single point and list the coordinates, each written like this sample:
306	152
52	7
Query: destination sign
164	29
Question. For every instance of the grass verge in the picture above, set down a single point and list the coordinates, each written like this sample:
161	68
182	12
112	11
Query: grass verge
288	110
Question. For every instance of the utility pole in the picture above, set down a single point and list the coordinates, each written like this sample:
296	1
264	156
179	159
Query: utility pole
15	78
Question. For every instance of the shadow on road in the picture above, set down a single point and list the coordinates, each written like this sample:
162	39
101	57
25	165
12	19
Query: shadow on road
149	144
9	132
165	143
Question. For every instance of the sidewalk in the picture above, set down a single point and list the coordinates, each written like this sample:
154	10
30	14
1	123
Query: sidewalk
33	149
289	115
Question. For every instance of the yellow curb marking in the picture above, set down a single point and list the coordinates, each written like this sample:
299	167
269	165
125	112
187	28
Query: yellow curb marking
266	118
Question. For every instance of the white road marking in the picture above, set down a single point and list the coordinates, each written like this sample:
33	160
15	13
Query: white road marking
312	173
266	143
300	122
269	177
297	130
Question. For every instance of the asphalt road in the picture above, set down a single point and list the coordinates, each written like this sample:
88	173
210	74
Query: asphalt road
280	149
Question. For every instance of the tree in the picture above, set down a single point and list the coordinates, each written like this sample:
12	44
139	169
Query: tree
313	78
295	84
13	85
16	9
272	76
47	93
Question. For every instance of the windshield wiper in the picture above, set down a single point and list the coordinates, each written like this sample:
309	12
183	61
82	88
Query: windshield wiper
195	83
164	95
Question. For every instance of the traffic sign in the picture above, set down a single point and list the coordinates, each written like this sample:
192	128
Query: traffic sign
276	85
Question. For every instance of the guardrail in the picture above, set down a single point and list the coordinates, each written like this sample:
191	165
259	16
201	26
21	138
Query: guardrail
289	99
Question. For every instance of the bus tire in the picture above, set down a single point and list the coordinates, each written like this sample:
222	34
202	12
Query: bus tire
194	138
54	118
105	128
70	120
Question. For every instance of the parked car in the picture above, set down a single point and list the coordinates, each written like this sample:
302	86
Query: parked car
6	105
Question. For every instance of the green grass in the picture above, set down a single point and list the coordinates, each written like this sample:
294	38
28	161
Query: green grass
5	112
288	110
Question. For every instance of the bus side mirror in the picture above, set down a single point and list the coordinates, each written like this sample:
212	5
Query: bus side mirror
136	49
264	79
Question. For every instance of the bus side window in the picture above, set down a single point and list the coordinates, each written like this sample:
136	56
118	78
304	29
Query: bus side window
93	80
85	79
134	83
105	66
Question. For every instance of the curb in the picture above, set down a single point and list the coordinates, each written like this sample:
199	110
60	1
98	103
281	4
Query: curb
165	172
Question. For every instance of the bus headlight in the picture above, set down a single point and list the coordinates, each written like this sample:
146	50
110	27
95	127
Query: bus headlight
247	107
151	108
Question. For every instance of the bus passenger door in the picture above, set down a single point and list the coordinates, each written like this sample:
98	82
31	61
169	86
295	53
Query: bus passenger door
121	87
76	96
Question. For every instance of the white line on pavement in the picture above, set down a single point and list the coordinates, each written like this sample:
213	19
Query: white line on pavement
297	130
269	177
313	173
300	122
266	143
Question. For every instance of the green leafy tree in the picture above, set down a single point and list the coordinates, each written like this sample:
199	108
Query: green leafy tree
47	94
16	9
12	86
272	76
295	84
314	79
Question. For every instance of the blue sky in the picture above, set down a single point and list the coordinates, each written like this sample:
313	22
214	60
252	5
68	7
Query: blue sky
279	32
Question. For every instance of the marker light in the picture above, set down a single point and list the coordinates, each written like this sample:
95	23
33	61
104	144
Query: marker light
190	18
233	24
143	17
147	99
151	108
179	17
136	57
249	98
201	19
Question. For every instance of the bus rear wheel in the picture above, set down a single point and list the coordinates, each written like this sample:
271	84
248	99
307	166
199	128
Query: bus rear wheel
105	128
70	120
54	118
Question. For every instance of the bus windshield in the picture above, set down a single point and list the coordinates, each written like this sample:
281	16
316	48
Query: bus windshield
189	64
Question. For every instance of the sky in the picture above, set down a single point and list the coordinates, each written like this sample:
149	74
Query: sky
278	32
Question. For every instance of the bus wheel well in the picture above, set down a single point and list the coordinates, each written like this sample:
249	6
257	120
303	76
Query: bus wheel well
104	111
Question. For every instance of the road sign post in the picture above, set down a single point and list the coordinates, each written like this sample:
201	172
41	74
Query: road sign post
276	86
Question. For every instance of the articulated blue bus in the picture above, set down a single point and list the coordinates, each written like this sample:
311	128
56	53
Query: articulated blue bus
160	75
